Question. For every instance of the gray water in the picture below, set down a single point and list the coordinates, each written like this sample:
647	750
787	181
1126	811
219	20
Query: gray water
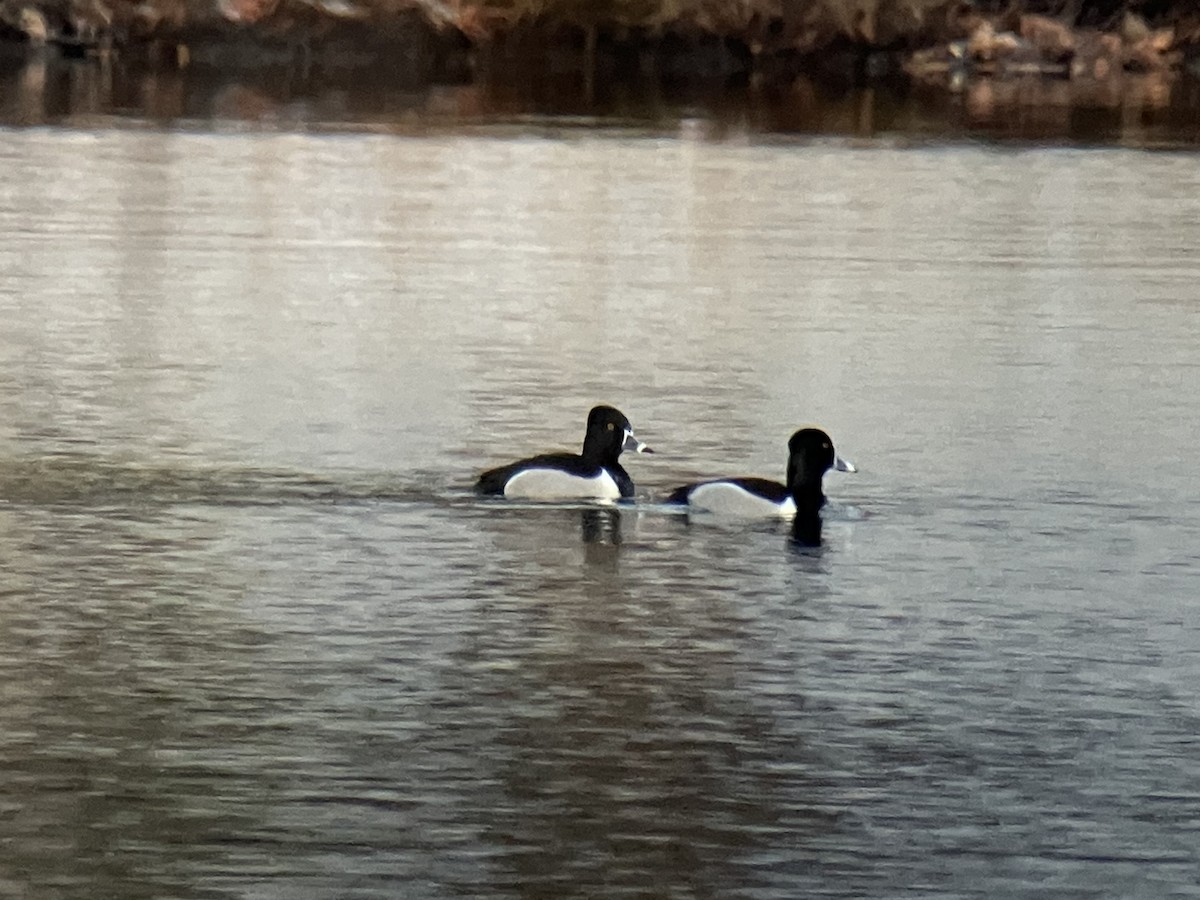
258	639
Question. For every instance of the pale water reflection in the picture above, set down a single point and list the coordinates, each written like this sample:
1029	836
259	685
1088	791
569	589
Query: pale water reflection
258	639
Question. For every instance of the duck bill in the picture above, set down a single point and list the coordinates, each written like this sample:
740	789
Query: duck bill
632	443
843	465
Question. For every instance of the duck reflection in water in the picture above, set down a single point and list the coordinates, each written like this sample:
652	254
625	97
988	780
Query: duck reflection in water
806	530
600	531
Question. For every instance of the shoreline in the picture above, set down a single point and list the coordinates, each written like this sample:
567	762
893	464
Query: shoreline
462	40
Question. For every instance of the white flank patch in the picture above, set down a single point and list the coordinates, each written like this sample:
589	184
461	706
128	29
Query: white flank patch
723	498
553	484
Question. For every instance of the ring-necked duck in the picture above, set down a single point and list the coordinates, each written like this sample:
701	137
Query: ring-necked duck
593	474
810	456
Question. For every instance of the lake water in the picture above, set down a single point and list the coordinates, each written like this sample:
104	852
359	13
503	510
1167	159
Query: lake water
258	638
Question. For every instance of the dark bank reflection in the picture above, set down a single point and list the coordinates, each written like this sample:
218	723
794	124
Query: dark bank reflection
1137	109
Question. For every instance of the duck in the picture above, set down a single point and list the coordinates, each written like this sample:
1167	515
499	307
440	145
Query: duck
593	474
810	456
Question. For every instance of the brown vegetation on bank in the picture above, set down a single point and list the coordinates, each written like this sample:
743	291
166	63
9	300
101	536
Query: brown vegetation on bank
1038	44
931	39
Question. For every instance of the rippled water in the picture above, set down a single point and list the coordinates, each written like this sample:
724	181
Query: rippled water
258	639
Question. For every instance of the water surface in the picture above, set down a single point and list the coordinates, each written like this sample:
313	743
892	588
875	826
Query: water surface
258	639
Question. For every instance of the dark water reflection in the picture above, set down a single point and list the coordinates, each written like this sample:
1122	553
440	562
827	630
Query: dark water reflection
205	700
1152	109
165	731
258	639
